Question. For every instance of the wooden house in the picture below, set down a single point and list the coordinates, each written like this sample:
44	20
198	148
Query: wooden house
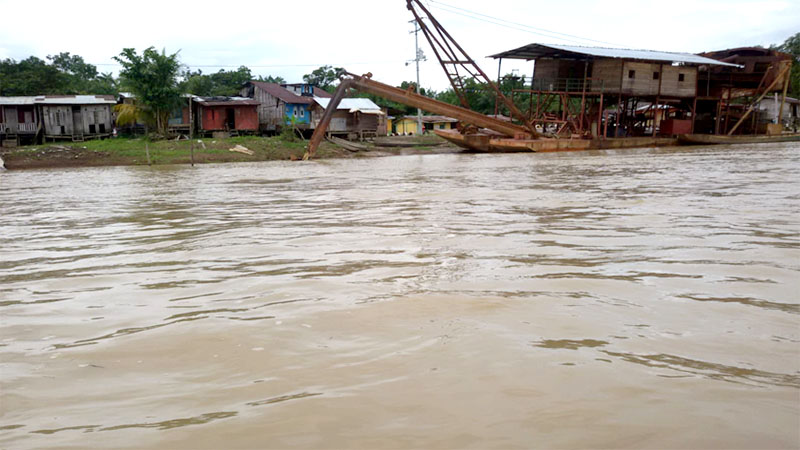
76	117
593	77
305	89
281	106
19	119
237	115
354	117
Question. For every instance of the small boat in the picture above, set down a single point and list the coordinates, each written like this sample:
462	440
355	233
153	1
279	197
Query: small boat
715	139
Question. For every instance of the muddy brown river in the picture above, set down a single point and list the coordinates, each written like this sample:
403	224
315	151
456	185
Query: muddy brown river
615	299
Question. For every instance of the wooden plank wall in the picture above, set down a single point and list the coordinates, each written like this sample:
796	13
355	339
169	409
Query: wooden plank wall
270	111
56	116
670	84
607	72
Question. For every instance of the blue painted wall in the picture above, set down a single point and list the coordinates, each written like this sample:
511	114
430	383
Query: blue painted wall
303	115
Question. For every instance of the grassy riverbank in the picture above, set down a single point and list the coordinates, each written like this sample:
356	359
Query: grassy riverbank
122	151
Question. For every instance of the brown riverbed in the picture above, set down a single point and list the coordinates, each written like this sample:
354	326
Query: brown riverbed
612	299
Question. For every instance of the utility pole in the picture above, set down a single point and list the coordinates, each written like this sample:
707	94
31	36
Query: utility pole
419	57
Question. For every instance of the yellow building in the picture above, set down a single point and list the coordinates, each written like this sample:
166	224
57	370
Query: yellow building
407	125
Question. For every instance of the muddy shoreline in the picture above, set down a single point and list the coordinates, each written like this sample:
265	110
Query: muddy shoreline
79	155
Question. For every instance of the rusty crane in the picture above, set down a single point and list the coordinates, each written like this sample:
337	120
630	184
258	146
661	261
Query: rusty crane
458	66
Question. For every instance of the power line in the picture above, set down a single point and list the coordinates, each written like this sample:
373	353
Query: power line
272	65
514	25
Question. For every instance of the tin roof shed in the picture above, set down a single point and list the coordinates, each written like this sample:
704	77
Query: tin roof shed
75	100
17	101
364	105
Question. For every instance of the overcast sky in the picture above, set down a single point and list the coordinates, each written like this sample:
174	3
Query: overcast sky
290	39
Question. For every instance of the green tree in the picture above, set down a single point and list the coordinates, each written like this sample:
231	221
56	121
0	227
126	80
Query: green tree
83	78
271	79
153	78
222	83
31	76
792	46
326	77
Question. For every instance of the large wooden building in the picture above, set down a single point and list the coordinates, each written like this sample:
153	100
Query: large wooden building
595	77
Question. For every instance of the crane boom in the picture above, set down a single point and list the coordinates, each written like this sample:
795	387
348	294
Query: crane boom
408	97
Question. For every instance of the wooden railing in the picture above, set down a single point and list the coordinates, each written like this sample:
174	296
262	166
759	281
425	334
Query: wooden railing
20	128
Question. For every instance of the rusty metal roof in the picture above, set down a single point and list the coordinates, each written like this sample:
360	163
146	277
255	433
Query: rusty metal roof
283	94
226	101
534	51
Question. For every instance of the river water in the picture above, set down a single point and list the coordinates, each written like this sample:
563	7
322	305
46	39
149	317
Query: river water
625	299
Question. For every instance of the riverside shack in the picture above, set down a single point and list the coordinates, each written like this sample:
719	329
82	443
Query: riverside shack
76	117
279	106
236	115
19	120
355	118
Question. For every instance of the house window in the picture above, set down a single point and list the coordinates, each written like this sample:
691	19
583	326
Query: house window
681	77
631	74
655	75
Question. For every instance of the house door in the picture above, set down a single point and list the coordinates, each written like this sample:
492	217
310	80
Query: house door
230	118
77	122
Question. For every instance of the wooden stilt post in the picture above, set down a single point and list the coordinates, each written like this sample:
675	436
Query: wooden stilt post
147	152
192	152
783	99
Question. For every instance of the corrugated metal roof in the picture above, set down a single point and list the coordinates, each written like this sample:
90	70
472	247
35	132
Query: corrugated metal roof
12	101
350	104
76	100
283	94
533	51
226	101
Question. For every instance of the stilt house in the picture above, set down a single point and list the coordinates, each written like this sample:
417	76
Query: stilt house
594	77
354	117
282	105
19	119
76	117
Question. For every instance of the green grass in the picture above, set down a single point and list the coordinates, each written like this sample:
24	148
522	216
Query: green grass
132	151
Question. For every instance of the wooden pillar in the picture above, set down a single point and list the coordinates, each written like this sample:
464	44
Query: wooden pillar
600	117
191	119
496	97
583	96
658	96
783	98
